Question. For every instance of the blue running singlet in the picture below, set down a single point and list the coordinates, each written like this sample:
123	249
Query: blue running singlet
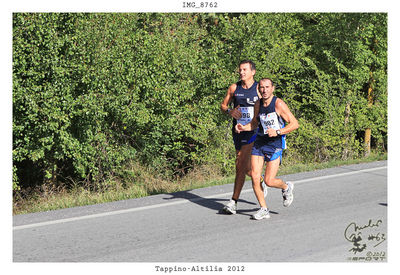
268	118
246	100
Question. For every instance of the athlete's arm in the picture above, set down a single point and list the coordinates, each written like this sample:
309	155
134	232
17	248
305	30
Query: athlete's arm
258	92
253	123
283	110
235	113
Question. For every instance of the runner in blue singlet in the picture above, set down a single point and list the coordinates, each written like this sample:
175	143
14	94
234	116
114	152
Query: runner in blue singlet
274	120
244	100
244	96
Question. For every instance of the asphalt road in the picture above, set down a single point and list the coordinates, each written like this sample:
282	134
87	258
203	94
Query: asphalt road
338	215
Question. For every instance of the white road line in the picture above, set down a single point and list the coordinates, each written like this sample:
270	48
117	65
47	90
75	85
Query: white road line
117	212
340	175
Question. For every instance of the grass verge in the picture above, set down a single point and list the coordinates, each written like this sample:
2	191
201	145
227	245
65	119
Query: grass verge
147	185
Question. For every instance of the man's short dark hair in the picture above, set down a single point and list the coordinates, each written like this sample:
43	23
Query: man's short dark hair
252	65
267	78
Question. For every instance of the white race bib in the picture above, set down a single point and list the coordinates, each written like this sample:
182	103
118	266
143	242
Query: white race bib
247	115
269	121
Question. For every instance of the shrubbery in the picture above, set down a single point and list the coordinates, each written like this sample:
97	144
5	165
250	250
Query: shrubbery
95	92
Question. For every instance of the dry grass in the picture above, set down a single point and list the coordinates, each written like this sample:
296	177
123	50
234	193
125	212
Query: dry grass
139	181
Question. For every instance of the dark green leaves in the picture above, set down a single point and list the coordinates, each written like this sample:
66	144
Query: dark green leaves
93	92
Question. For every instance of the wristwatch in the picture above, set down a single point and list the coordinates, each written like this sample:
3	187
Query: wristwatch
278	132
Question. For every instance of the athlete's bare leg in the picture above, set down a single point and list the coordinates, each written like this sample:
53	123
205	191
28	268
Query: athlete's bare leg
270	179
257	163
243	167
271	170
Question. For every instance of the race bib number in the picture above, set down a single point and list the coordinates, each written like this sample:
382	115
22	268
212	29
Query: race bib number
269	121
247	115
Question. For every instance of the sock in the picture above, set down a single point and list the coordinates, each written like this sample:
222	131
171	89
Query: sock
234	200
287	187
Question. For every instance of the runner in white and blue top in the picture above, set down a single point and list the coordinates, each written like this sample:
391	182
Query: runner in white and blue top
274	120
269	147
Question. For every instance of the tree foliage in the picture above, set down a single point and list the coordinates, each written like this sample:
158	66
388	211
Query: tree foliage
93	92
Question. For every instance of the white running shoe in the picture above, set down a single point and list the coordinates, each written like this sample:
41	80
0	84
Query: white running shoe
263	213
288	194
230	208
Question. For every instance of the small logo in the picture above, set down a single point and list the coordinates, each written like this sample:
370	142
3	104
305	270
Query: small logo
366	240
250	102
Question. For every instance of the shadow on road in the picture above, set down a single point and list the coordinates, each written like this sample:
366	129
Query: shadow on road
214	203
211	203
250	212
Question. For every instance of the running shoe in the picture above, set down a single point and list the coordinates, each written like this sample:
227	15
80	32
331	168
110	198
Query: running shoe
288	194
230	208
263	213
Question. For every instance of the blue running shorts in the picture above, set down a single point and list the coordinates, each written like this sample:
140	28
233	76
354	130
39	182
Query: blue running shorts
269	152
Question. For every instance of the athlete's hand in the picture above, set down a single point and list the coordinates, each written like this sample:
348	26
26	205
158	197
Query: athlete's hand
235	113
238	128
272	132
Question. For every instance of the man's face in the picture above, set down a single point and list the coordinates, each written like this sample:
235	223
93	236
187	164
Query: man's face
266	88
245	72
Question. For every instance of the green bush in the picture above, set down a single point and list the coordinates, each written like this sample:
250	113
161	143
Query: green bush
93	93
